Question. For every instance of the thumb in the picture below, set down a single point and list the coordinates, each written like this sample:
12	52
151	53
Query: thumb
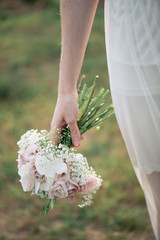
75	134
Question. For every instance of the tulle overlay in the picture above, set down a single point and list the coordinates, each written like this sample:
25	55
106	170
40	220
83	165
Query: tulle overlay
132	30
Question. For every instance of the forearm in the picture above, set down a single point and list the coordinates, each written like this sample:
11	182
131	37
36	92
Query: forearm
76	22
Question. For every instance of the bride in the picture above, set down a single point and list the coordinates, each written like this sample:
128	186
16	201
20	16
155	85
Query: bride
132	32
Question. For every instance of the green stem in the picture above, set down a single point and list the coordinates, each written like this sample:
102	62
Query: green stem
43	207
47	207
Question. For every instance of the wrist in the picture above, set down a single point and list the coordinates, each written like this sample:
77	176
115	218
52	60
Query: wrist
63	92
67	89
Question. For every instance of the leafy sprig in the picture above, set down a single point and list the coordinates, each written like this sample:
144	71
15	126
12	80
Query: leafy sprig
48	203
92	110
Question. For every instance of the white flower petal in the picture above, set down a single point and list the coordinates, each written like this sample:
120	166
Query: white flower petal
45	186
37	185
50	168
25	170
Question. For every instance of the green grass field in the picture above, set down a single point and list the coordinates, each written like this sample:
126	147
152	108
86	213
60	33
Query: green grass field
29	60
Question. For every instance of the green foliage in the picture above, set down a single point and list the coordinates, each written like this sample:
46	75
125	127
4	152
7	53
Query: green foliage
16	88
126	218
10	171
3	15
92	110
55	4
48	203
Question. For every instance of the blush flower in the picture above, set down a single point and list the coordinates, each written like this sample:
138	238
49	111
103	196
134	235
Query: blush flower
29	153
58	190
65	176
51	171
21	160
73	188
26	156
89	185
38	177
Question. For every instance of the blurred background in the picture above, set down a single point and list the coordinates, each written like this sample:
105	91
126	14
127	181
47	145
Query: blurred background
29	60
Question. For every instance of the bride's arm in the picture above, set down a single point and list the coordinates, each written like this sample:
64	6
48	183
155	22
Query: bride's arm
76	21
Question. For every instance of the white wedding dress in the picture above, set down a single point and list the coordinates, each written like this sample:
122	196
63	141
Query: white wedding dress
132	30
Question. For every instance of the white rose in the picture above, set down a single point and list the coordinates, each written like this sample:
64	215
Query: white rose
46	185
27	180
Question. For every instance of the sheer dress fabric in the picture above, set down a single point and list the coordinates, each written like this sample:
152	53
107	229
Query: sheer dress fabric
133	52
132	32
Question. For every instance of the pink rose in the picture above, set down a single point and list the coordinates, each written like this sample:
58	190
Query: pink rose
26	156
29	153
21	160
63	177
89	185
38	177
73	188
59	190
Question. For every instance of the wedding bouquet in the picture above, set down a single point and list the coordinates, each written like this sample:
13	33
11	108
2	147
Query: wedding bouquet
58	172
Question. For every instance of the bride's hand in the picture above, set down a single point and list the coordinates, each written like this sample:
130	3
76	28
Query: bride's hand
66	113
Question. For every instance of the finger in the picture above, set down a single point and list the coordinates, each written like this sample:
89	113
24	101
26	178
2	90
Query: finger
82	137
75	134
76	146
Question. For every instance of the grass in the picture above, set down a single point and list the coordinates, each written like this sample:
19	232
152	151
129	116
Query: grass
29	59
